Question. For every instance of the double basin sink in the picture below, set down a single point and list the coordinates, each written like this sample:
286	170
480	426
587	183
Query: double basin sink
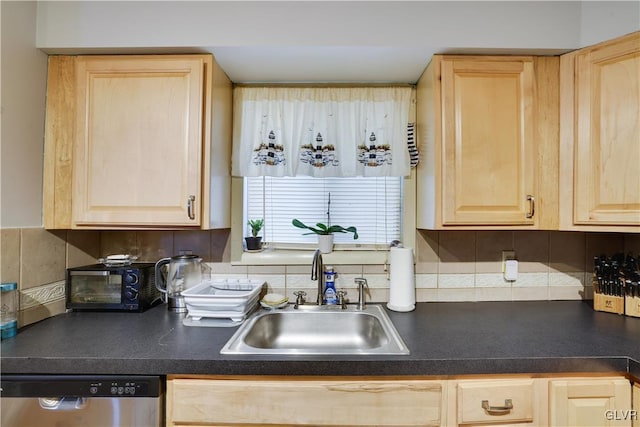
318	330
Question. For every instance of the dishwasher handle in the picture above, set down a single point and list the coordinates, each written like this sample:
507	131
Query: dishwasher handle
64	403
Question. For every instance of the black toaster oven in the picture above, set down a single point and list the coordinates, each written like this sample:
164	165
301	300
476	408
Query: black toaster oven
104	288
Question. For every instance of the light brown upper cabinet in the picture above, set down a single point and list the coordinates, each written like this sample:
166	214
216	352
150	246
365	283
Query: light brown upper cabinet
600	137
487	129
129	140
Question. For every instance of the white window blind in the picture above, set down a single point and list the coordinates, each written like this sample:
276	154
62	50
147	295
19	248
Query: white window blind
372	204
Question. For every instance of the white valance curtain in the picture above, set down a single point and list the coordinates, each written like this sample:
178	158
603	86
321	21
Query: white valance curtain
321	132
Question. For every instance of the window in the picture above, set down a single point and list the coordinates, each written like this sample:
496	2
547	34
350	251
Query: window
374	205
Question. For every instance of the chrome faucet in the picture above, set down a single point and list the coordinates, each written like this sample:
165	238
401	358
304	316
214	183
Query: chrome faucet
317	273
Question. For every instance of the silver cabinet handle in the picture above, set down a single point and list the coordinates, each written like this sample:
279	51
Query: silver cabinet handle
532	206
190	201
498	410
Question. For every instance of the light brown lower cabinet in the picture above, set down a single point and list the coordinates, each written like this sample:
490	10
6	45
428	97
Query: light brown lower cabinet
221	402
600	402
501	402
530	401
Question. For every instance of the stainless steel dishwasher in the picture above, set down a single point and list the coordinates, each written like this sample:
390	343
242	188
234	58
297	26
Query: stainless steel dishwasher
81	400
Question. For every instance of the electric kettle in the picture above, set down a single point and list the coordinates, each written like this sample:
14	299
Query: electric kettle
183	272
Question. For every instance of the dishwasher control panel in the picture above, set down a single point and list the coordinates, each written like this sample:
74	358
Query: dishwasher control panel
80	385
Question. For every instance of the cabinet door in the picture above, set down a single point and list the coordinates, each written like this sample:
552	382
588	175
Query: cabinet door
597	402
635	415
291	402
603	104
489	155
138	152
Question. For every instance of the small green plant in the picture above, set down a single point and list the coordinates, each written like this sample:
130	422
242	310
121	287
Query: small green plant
256	225
321	228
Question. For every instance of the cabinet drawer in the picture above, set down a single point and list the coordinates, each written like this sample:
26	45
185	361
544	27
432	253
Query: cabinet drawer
332	403
495	401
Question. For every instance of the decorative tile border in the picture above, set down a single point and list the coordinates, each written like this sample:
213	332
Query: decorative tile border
41	295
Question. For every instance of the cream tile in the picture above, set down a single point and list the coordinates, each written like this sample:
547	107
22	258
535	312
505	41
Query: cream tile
266	269
154	245
298	269
456	281
532	280
566	279
299	281
375	296
426	295
347	280
83	247
220	245
567	293
377	280
40	312
197	242
532	251
456	295
10	255
355	269
118	242
494	294
273	280
489	247
566	251
457	250
227	268
375	269
43	257
491	280
427	251
426	281
524	293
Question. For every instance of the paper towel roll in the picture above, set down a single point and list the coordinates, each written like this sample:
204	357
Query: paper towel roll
402	285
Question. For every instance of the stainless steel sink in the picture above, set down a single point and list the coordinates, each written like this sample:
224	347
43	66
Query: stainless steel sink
311	329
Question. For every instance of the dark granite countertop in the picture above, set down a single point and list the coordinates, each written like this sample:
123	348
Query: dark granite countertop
444	339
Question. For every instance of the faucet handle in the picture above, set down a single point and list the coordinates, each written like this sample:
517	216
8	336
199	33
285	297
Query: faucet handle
300	298
341	301
361	282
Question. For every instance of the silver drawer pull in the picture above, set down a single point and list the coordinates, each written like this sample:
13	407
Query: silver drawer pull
498	410
190	202
532	206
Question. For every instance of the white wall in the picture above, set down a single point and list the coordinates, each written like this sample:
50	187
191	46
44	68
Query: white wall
515	24
24	73
597	19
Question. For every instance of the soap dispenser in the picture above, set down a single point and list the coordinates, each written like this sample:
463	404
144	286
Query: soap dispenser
330	295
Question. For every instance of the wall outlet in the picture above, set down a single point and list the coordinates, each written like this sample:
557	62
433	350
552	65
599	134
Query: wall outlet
509	265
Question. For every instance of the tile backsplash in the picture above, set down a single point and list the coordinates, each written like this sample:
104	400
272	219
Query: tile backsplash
450	265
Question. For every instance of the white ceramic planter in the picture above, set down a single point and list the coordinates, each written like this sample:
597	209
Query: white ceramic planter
325	243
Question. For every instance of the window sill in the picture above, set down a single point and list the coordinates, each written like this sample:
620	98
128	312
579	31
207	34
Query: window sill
304	257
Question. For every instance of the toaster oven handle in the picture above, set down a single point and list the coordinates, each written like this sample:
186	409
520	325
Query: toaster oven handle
89	273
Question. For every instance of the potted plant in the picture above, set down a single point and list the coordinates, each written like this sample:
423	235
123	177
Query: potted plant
254	242
325	233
